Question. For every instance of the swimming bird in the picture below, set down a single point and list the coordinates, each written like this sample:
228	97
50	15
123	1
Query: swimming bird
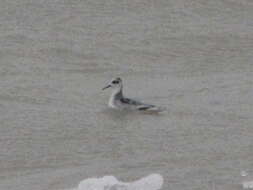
118	101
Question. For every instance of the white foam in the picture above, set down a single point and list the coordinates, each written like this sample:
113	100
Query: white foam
150	182
244	173
247	176
247	184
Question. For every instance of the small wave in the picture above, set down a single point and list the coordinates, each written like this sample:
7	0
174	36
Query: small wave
247	179
247	184
150	182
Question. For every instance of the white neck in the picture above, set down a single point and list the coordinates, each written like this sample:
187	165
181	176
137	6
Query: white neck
116	94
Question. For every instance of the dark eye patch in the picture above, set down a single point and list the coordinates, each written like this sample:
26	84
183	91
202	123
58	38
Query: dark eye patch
115	82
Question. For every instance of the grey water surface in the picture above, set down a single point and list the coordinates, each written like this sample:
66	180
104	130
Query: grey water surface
194	57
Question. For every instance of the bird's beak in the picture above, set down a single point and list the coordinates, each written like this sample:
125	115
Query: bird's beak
108	86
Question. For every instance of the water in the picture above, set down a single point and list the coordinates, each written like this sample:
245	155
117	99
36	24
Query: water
194	57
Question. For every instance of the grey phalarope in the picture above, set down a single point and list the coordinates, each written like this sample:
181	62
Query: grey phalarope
118	101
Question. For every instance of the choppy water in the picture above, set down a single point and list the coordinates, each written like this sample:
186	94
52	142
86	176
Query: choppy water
195	57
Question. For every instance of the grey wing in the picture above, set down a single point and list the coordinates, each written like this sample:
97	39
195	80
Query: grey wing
145	107
130	101
139	105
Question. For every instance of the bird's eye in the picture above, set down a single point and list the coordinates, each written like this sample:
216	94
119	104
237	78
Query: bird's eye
115	82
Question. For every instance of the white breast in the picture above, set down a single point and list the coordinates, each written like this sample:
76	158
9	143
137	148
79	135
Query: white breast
112	103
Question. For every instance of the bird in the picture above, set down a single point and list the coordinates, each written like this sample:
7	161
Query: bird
150	182
119	102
